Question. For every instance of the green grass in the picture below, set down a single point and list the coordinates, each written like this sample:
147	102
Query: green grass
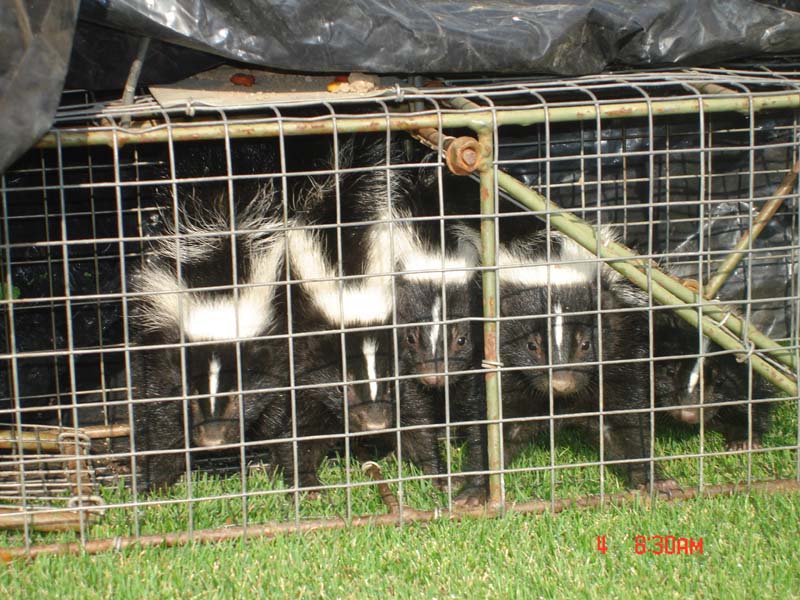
749	551
750	542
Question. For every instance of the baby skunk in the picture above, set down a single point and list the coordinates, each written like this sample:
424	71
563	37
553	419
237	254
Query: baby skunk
224	380
341	305
724	380
555	306
437	298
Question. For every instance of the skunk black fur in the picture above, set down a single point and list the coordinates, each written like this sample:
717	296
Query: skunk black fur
556	326
359	199
424	400
725	380
172	308
438	299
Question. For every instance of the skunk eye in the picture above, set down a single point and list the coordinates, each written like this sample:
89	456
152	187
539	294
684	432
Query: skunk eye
461	340
671	371
532	346
585	344
411	338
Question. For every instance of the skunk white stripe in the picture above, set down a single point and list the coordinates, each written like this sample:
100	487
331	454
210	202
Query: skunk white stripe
694	376
213	382
524	262
435	318
171	303
224	319
361	302
369	348
546	274
558	328
414	255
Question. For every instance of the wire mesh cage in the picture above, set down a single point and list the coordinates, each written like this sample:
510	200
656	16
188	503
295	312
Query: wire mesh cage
223	322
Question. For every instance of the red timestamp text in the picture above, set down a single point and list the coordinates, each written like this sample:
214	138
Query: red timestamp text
659	544
667	544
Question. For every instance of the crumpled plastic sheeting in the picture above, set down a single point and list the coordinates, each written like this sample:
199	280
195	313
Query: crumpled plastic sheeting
567	37
101	58
35	42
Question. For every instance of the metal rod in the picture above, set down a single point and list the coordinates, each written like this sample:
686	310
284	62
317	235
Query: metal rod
273	529
46	441
50	521
665	290
489	286
373	470
113	430
764	215
474	120
573	226
129	91
462	154
590	111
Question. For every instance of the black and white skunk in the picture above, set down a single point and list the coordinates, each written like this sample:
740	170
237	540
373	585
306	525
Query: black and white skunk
561	338
711	388
206	296
342	305
437	300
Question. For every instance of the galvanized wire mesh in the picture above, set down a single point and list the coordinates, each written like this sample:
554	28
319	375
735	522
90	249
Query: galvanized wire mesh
676	164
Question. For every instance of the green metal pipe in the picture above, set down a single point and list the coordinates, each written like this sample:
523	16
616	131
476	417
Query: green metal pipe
476	119
715	311
582	233
746	241
776	351
505	115
489	280
635	268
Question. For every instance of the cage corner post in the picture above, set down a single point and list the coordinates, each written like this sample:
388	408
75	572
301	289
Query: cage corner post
490	313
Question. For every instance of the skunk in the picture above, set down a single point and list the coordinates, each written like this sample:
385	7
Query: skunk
203	287
341	305
679	386
437	300
560	329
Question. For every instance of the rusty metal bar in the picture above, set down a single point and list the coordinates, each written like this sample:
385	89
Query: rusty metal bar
475	118
273	529
373	469
764	215
462	154
113	430
129	90
713	88
666	290
489	287
44	441
50	521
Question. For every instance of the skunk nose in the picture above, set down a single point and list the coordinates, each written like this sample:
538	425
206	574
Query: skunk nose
210	442
373	416
210	435
433	380
690	416
431	373
375	425
563	382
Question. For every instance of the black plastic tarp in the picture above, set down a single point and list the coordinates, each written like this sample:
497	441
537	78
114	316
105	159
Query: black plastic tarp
35	43
568	37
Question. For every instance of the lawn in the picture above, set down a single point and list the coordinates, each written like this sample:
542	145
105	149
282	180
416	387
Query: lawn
749	542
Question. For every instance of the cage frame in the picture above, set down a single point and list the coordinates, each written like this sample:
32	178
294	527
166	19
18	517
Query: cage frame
477	155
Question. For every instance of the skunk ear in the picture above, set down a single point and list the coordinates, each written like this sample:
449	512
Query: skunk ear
608	300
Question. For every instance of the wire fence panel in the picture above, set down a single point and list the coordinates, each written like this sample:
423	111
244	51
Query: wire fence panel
255	320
